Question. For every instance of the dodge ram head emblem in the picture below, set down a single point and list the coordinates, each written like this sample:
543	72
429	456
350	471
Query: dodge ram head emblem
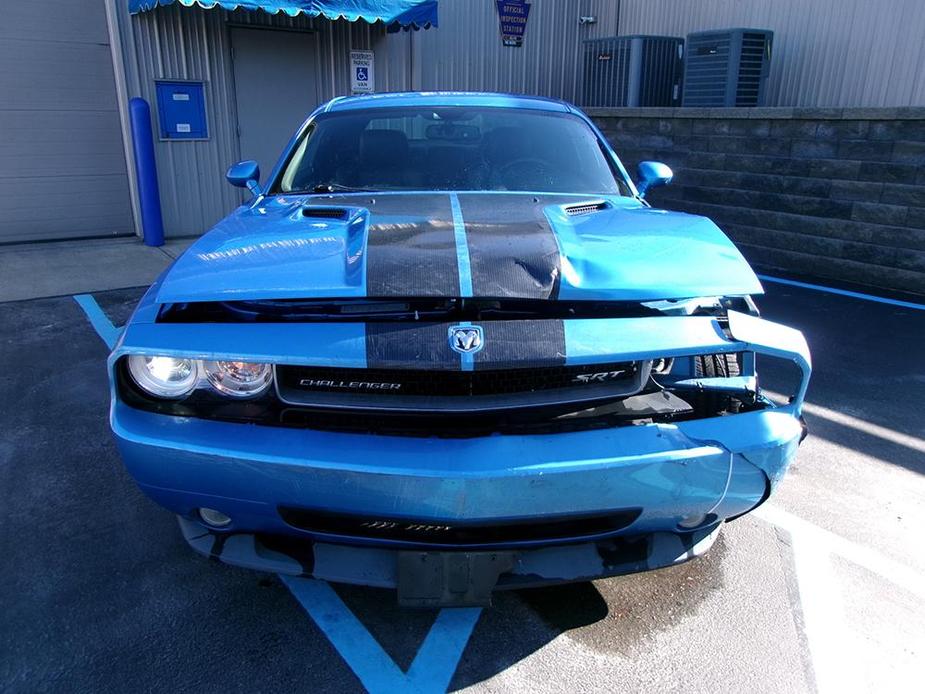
466	339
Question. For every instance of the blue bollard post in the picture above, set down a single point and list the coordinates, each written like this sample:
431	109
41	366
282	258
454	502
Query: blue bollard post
152	223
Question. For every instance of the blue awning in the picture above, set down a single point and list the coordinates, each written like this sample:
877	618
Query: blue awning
417	14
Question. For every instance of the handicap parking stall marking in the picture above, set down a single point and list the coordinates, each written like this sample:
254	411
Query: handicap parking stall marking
433	666
108	333
438	657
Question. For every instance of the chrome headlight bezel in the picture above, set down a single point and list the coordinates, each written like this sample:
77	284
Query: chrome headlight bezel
226	378
154	376
165	377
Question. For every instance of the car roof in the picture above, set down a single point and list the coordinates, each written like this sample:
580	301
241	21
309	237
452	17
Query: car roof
404	99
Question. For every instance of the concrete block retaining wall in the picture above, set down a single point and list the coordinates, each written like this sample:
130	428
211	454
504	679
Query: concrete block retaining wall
827	193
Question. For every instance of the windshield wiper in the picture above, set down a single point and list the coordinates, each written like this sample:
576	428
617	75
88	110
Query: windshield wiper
337	187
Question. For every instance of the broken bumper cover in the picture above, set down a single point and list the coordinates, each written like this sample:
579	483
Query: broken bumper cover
667	472
431	579
718	468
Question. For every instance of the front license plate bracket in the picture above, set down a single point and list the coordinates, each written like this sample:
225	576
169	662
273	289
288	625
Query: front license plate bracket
450	579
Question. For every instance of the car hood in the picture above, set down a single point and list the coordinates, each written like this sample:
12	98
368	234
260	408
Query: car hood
494	245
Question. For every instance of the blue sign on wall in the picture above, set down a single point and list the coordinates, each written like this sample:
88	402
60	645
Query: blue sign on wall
513	17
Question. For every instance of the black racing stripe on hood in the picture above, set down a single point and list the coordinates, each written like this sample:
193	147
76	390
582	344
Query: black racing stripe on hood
512	248
521	343
409	346
411	248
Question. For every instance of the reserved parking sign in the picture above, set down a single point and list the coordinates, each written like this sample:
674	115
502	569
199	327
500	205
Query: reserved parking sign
362	75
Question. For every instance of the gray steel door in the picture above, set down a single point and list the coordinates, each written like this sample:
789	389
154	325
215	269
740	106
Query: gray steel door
275	89
62	164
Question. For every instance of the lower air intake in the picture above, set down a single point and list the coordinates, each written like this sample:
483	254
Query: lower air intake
456	533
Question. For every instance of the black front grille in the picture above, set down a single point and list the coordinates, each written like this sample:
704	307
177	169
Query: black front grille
399	382
351	412
458	533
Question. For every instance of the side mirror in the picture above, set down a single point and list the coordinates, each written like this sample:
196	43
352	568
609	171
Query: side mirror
652	174
245	174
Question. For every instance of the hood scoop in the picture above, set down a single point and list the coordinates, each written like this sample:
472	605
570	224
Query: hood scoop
583	208
328	212
291	251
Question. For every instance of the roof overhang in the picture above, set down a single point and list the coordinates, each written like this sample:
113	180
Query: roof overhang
414	14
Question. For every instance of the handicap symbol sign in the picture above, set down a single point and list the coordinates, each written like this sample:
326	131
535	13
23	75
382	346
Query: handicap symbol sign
362	74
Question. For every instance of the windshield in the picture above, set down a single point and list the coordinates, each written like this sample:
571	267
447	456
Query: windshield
453	148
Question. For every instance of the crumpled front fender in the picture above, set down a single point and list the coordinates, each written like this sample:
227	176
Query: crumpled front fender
767	439
775	340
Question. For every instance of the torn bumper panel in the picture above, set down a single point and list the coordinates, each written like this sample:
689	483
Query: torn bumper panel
474	576
666	473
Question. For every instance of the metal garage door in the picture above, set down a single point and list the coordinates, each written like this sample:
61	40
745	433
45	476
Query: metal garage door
62	166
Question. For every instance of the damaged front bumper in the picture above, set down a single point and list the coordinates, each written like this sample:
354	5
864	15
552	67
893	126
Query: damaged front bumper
445	579
656	477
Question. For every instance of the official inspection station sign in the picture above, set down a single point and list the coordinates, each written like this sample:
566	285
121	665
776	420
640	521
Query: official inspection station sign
512	15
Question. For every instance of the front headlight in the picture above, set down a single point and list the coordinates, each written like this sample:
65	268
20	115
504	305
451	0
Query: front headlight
238	379
164	377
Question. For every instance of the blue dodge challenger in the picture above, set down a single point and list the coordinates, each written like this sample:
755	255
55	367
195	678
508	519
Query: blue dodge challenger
448	348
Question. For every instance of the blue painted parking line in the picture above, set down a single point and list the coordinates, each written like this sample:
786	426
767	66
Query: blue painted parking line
375	669
434	664
843	292
439	655
98	319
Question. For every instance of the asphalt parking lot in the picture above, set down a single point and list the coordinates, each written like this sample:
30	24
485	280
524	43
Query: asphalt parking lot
822	590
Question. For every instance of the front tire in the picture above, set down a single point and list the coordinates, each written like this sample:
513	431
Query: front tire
716	366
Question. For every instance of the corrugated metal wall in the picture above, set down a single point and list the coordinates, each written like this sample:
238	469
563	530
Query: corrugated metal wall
826	52
466	52
189	43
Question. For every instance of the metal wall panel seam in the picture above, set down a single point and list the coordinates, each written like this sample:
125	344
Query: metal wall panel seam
118	69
